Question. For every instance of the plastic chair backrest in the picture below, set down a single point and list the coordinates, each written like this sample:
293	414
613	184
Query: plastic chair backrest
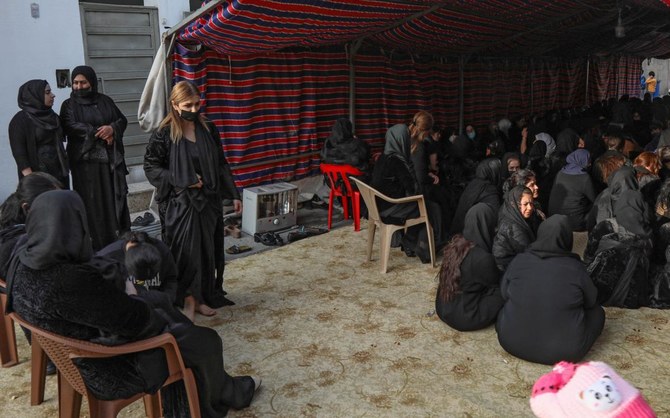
368	194
337	172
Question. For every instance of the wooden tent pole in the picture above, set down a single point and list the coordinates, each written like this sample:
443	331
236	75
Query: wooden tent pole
355	46
586	92
461	95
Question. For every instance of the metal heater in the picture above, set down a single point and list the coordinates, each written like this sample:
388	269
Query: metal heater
269	208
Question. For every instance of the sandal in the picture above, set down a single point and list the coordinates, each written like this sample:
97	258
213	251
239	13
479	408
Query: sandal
237	249
278	239
266	238
233	231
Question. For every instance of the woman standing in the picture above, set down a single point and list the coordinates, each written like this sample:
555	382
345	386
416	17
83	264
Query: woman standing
94	127
184	161
517	225
35	133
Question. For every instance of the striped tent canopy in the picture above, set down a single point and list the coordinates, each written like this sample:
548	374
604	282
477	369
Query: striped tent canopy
275	74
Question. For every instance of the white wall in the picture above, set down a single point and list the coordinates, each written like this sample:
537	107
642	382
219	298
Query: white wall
662	70
170	12
34	48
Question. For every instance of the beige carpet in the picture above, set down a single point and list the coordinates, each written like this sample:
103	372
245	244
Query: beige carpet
331	336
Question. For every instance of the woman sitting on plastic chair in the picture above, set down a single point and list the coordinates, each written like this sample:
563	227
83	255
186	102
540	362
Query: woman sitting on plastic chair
53	285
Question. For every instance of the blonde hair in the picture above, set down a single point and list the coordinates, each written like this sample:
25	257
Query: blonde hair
423	122
181	92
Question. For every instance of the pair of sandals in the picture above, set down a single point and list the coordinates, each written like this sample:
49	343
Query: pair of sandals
232	228
144	220
268	238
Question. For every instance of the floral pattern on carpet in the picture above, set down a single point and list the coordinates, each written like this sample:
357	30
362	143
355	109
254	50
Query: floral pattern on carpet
332	336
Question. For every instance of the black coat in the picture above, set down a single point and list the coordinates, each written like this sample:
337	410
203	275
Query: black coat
547	313
479	301
573	196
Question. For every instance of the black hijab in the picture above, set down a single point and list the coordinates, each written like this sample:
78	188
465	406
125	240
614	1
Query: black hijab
480	224
31	101
511	212
554	238
398	145
489	171
342	132
630	211
485	187
92	79
620	181
56	233
567	141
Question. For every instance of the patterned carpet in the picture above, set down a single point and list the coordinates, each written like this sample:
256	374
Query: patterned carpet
331	336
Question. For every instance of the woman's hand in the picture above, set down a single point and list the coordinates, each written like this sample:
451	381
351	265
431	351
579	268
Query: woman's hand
197	185
106	133
436	179
237	205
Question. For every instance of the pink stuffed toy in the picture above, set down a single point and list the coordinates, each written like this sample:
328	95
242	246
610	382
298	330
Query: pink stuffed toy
586	390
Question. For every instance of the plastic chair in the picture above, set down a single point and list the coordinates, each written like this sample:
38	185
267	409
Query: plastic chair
341	187
71	387
369	195
9	355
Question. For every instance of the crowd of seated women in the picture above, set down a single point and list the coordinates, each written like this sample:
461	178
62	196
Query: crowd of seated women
532	185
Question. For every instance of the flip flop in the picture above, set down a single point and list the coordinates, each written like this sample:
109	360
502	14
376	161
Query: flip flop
233	231
266	238
237	249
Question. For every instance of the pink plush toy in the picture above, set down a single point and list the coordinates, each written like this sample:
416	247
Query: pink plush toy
586	390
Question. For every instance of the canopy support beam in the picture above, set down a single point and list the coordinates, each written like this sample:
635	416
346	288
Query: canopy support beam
355	46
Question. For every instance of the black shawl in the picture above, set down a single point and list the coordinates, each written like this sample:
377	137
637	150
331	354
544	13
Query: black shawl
554	238
485	187
618	182
631	212
511	212
480	224
57	233
567	141
31	101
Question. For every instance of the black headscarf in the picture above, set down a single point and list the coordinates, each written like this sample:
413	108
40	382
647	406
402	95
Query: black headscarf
631	212
31	101
485	187
510	209
92	79
489	171
480	224
398	143
56	233
617	183
567	141
342	132
554	238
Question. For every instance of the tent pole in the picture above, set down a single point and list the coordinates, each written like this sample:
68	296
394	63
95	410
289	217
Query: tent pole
355	46
586	93
461	95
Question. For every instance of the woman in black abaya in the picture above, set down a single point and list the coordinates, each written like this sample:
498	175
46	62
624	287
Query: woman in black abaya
35	134
484	188
550	312
53	285
184	161
94	127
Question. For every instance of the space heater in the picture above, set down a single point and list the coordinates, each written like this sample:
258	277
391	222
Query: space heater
269	208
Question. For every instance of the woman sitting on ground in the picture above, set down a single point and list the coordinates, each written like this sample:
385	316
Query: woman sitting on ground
526	177
617	253
573	193
647	166
517	226
660	225
468	296
53	286
553	316
484	188
618	182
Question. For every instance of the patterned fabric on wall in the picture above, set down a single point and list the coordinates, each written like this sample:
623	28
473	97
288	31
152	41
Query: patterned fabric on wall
275	110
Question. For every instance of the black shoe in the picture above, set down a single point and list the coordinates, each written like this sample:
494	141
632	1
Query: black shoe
408	252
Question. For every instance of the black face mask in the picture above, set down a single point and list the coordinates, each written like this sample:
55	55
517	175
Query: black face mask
82	92
189	116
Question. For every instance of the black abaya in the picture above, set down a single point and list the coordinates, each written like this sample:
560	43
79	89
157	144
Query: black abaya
98	170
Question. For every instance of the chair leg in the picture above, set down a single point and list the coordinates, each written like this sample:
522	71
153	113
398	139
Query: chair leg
385	238
431	243
38	372
356	203
69	400
192	393
8	355
152	405
345	205
330	209
371	237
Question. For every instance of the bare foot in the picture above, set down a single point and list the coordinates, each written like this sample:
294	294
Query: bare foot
189	307
203	309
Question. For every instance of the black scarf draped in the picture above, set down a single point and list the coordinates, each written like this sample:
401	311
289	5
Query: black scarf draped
480	223
182	170
554	238
92	78
510	210
31	101
631	212
487	174
341	133
56	233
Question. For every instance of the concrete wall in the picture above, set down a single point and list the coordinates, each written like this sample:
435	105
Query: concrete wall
662	70
34	48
